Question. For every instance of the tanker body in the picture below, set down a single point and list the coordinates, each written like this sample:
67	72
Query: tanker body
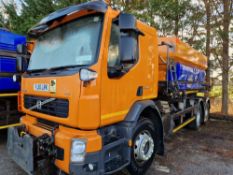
101	92
187	67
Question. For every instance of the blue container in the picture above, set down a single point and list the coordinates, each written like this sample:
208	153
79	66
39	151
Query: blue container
188	78
7	65
8	85
9	41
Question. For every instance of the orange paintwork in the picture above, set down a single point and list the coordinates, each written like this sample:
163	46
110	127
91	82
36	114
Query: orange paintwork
30	46
19	101
182	53
63	137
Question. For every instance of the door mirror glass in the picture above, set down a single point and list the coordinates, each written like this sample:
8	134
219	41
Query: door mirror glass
128	48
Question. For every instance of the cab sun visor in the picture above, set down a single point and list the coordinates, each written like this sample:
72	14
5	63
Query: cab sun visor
43	25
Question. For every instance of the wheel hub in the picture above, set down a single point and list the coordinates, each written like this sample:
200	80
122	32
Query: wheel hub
143	147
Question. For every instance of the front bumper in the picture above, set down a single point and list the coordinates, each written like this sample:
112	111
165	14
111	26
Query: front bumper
23	148
112	158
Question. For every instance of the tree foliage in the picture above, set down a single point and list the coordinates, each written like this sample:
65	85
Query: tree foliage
31	12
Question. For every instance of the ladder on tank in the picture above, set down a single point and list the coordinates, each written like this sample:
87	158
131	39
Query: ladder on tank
172	86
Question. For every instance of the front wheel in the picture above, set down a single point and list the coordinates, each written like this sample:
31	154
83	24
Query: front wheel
144	147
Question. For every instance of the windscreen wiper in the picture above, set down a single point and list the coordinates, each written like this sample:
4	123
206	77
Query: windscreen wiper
54	68
63	67
36	70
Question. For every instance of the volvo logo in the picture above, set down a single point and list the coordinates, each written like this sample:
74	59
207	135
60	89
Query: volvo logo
39	105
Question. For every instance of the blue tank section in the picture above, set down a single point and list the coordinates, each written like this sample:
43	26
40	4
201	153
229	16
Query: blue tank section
9	41
186	78
8	65
8	85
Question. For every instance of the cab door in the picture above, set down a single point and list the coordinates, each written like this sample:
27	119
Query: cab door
120	90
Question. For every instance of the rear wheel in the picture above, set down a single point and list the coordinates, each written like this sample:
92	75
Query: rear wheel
207	112
198	117
144	147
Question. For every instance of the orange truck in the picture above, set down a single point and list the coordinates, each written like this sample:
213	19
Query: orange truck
101	92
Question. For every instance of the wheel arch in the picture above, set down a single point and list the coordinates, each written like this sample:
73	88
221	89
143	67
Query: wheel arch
139	109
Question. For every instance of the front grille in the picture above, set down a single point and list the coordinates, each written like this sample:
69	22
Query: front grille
57	107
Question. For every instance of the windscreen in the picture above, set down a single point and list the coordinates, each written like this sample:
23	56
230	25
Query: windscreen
73	44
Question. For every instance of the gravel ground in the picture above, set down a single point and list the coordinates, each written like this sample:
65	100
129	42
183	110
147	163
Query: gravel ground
208	151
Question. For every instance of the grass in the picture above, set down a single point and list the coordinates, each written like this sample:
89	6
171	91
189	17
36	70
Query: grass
216	99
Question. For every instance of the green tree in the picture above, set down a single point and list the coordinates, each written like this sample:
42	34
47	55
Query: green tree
223	18
208	32
32	11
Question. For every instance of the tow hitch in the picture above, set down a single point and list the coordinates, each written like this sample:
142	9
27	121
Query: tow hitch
34	155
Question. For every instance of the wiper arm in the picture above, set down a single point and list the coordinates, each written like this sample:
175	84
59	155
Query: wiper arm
54	68
36	70
62	67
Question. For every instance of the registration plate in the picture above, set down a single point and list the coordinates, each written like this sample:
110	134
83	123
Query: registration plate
41	87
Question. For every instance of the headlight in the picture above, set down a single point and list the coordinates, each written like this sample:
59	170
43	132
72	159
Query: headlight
78	150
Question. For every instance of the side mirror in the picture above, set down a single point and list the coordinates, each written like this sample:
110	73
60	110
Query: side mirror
21	49
128	38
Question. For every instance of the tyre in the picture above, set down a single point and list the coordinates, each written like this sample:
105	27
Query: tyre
144	147
206	112
198	118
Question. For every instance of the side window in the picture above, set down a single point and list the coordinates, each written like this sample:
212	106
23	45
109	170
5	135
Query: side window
128	40
114	47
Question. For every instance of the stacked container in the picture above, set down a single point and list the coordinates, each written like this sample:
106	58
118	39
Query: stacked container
8	63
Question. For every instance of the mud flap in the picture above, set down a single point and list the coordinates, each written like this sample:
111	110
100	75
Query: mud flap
21	149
